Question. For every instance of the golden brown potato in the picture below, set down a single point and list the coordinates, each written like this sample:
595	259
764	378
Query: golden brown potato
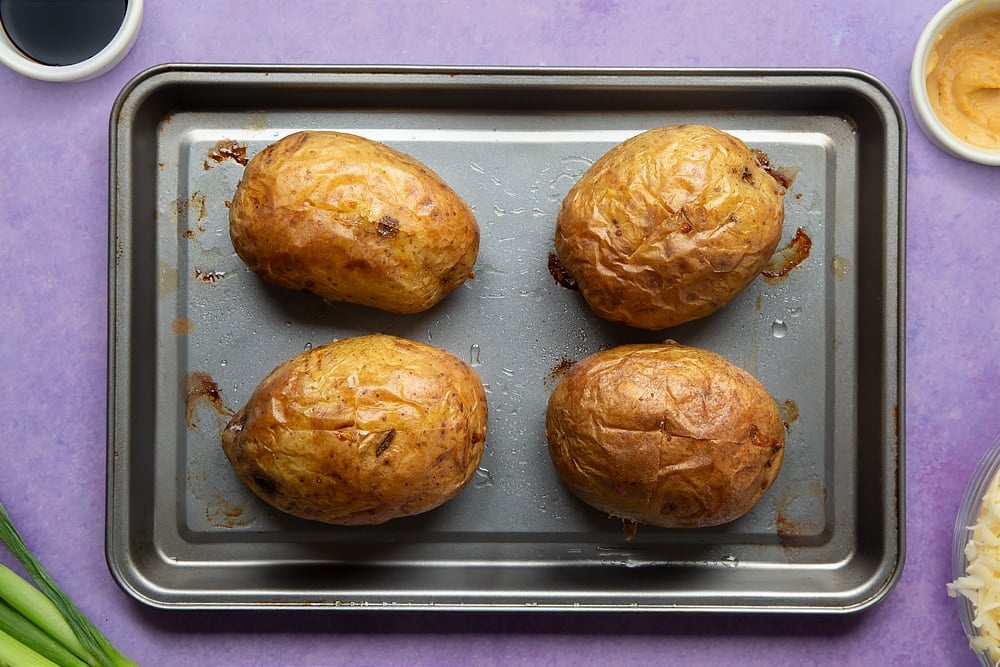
664	434
352	220
360	431
669	226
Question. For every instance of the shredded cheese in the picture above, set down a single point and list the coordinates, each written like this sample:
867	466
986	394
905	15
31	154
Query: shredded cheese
981	583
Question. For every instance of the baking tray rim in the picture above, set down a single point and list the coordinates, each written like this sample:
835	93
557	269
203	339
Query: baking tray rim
893	342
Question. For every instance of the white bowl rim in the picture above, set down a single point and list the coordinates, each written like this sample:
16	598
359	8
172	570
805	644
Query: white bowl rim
99	63
925	115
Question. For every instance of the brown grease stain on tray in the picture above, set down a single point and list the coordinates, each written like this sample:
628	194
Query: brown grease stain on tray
559	272
220	512
557	372
184	207
785	176
198	200
800	512
209	277
199	388
182	326
227	149
789	413
223	514
790	257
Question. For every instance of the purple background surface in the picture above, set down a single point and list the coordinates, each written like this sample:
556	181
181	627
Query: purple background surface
53	305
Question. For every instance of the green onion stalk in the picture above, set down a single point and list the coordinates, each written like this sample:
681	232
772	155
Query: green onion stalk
39	625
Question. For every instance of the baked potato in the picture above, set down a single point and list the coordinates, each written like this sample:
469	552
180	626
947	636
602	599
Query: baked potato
670	225
664	434
360	431
352	220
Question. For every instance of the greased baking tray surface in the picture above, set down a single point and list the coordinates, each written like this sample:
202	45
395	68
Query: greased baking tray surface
192	331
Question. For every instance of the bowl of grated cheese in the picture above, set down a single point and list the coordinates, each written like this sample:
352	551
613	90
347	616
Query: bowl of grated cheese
976	559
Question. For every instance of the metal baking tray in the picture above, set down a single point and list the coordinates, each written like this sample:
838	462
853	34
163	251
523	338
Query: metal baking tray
192	331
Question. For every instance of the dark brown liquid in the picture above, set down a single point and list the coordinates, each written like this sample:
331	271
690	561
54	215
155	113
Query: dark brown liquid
789	257
61	32
559	272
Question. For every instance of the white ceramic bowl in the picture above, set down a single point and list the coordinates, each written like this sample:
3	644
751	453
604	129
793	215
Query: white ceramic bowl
97	64
926	117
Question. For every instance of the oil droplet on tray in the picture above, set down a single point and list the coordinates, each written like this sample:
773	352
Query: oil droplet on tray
474	355
166	279
730	560
483	478
779	329
840	267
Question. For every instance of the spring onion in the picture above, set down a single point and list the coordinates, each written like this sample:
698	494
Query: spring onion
14	625
15	654
50	611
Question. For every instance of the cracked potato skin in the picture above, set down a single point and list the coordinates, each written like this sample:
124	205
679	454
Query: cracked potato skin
360	431
668	226
664	434
352	220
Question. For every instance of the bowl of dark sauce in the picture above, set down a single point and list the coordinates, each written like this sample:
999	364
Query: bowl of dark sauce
67	40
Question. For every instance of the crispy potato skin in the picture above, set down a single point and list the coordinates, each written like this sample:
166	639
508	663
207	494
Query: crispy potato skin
668	435
352	220
361	431
669	226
